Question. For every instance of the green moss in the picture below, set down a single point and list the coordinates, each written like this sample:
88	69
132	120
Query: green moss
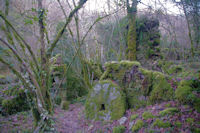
147	81
165	65
65	105
161	89
185	93
17	101
138	125
147	115
190	120
175	69
183	90
168	111
119	129
116	70
159	123
58	100
131	37
1	100
94	68
36	116
168	105
8	105
133	117
2	76
133	98
178	124
196	130
105	101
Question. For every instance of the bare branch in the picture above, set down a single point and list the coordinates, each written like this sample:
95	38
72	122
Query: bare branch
25	43
68	20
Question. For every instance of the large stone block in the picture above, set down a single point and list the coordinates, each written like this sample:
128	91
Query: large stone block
105	102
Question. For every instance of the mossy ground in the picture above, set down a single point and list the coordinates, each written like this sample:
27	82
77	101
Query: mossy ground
187	119
137	126
161	124
147	115
188	93
119	129
168	111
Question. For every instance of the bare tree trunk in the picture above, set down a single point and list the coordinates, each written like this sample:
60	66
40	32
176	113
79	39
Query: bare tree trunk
189	29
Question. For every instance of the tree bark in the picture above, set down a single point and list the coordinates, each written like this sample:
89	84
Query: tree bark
44	61
189	29
131	37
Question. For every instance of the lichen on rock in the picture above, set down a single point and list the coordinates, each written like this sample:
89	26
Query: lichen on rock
105	102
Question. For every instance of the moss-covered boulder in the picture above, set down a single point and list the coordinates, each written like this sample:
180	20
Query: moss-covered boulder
161	89
141	86
105	102
147	87
117	70
188	92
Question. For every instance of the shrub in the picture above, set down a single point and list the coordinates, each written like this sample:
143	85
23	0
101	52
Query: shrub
187	93
15	101
161	89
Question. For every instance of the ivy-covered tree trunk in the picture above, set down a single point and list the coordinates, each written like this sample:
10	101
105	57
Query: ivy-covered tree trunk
44	61
131	37
35	78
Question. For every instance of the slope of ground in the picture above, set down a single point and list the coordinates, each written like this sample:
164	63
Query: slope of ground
156	119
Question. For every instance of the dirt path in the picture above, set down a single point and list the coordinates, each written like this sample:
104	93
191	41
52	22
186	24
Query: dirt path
69	121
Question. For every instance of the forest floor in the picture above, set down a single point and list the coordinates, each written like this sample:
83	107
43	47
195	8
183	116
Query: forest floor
185	120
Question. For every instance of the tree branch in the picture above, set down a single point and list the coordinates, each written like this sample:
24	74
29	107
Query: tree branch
60	33
25	43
